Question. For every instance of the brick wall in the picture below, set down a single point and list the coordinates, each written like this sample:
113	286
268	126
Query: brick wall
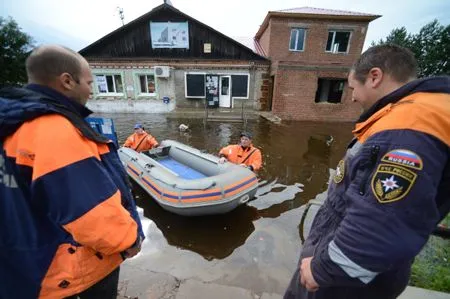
294	95
264	41
315	41
297	73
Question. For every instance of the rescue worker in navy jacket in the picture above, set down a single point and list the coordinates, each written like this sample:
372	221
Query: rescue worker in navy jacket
67	217
390	190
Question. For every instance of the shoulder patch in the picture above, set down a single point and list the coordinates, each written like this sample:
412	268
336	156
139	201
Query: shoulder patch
391	183
340	172
404	158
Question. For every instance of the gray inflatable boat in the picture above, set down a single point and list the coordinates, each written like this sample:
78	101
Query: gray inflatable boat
188	182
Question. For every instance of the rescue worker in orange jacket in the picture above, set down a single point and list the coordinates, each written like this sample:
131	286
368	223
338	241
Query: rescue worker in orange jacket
140	140
243	153
67	216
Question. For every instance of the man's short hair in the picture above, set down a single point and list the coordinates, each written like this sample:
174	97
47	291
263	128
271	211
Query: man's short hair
396	61
247	134
46	63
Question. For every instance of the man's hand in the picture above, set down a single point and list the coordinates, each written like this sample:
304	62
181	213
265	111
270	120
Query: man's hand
129	253
222	160
306	277
132	251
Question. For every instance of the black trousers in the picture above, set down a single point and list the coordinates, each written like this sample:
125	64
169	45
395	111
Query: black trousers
388	286
104	289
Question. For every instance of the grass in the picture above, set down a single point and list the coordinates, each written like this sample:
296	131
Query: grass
431	269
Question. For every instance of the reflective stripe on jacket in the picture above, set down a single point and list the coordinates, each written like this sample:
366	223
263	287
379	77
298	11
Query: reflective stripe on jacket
66	210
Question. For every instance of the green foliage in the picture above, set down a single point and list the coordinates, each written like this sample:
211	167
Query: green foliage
15	46
431	269
431	47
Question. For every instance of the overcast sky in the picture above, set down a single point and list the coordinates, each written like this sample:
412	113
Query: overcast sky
78	23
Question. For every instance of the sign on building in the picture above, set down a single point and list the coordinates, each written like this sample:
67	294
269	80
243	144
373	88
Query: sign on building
169	35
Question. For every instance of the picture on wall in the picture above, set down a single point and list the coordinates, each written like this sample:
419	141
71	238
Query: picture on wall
169	35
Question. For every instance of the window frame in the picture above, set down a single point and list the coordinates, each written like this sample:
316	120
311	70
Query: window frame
334	31
186	89
296	29
146	94
108	93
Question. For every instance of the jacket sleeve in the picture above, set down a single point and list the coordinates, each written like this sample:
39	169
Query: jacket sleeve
74	189
151	141
129	141
225	151
391	208
256	160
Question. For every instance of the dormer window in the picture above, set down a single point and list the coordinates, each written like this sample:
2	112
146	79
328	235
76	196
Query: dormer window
338	41
297	42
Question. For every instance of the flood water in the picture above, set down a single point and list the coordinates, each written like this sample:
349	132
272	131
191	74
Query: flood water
255	246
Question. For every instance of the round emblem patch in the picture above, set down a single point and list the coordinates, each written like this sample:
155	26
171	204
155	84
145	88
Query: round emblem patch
391	183
340	172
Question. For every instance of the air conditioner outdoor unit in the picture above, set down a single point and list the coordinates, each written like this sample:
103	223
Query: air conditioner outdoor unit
162	71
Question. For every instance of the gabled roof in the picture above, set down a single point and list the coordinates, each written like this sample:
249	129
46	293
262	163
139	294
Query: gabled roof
154	12
315	13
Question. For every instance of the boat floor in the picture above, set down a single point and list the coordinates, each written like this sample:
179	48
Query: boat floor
182	170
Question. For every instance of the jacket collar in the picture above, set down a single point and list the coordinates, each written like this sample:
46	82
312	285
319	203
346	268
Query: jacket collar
385	104
50	92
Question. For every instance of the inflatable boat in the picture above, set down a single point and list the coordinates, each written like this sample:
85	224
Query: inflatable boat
188	182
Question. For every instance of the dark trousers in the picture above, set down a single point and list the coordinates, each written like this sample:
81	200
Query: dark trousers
104	289
388	286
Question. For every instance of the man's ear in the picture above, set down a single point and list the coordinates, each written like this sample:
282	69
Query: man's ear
375	77
66	81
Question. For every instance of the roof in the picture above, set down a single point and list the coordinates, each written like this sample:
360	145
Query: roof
323	11
307	12
251	43
156	10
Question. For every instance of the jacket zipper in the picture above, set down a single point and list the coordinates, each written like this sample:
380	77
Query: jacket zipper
372	161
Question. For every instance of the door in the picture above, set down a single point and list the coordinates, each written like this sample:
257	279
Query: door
225	91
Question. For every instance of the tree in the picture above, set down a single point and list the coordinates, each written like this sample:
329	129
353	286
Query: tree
431	47
398	36
15	46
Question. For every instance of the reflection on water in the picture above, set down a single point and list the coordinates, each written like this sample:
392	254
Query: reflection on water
213	237
297	158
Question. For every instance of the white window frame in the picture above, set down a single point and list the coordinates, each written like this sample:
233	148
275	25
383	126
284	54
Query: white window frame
185	85
114	84
333	44
146	94
296	40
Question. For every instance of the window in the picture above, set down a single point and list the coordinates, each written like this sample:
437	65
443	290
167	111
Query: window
195	85
297	42
338	41
329	90
147	84
239	86
109	83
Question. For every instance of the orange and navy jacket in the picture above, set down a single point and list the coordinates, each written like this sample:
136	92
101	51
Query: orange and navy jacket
389	192
141	143
66	211
250	156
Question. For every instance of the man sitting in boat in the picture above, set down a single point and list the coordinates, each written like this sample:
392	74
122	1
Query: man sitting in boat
140	140
243	153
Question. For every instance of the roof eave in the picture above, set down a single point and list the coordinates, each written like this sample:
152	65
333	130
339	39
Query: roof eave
270	14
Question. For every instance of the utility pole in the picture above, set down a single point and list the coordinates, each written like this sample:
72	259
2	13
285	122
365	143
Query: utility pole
120	9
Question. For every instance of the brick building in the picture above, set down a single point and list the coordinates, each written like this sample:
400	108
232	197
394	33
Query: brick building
311	51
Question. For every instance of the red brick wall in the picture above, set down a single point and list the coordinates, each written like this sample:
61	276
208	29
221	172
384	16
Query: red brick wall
264	41
297	73
294	95
315	41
